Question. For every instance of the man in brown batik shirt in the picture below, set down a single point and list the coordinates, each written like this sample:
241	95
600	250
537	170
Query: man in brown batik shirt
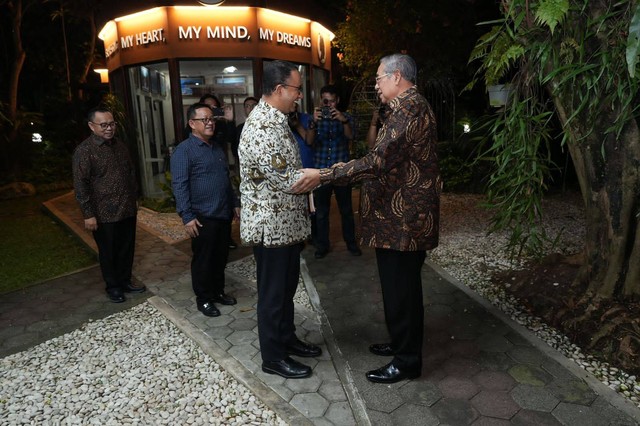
400	209
106	189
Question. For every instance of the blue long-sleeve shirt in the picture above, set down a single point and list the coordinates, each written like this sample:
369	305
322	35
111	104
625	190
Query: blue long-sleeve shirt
200	181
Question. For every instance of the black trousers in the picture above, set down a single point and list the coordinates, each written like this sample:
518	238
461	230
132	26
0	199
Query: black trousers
322	200
401	281
210	254
278	271
116	245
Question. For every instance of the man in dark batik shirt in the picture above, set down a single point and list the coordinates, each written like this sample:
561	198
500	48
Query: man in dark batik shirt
106	189
400	210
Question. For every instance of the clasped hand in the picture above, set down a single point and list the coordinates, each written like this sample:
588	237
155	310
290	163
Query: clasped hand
309	179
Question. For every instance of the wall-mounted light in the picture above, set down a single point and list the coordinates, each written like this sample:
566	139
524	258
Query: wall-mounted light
100	67
104	74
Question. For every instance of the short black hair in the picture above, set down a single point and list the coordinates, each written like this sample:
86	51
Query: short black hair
191	112
329	88
275	73
91	115
249	98
210	96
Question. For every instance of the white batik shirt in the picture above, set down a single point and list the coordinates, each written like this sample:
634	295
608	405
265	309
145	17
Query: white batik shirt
269	166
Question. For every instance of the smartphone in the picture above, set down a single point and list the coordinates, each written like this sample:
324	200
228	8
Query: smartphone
218	112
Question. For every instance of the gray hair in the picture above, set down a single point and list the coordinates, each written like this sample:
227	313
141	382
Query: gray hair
403	63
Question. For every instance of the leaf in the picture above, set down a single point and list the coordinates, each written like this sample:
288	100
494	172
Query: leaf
552	12
633	42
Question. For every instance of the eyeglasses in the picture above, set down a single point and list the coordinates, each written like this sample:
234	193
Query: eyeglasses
205	120
105	126
380	77
298	88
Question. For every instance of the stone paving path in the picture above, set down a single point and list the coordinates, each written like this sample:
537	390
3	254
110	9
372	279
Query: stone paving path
479	368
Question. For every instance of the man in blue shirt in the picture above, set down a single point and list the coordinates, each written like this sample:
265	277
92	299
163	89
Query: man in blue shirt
330	134
206	202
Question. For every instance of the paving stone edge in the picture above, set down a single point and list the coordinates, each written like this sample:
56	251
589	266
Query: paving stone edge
270	398
358	407
593	382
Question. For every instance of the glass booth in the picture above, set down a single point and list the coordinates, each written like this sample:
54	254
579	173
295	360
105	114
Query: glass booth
164	59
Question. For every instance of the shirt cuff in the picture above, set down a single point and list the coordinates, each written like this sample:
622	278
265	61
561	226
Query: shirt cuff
326	175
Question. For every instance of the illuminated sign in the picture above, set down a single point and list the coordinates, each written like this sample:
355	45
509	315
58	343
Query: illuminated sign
194	31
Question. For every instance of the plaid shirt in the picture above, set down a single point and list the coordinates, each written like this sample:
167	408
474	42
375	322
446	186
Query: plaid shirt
331	145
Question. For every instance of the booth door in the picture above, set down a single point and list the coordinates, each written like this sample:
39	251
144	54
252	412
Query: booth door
153	143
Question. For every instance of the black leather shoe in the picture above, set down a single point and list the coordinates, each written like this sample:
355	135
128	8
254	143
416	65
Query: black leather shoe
303	349
224	299
381	349
288	368
209	309
232	244
319	254
355	251
116	296
391	374
130	288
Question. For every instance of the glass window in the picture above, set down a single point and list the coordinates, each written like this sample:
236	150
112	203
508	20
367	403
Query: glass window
231	81
320	79
151	99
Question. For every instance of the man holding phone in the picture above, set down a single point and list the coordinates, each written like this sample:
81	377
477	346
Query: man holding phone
330	133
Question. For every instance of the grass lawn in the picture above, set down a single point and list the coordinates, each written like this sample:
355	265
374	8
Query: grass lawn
33	247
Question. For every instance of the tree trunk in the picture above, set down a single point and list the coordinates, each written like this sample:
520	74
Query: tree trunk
89	58
609	177
15	9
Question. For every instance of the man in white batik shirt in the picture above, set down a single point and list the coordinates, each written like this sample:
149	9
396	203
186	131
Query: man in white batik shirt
274	220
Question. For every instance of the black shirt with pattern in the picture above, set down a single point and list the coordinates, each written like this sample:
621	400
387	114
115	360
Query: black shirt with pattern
104	180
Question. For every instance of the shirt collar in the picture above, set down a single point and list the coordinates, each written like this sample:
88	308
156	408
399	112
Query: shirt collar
100	140
198	140
402	96
272	112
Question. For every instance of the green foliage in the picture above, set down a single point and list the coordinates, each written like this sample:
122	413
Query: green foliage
359	148
633	42
49	164
551	12
519	179
125	131
435	33
461	171
23	262
455	172
561	57
167	204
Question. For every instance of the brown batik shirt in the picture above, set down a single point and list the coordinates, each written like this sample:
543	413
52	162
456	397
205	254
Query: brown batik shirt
104	180
401	184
